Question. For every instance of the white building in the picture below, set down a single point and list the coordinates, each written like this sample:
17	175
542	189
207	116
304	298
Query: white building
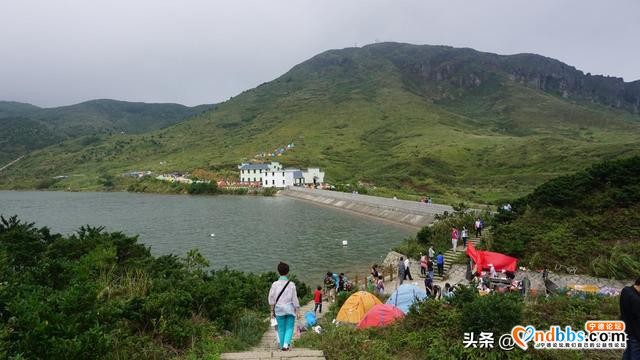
283	178
254	173
274	175
313	176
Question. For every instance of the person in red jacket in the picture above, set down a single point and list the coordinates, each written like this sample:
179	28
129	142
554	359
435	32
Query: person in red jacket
317	298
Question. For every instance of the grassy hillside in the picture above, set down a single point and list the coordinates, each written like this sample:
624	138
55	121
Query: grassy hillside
590	220
446	122
27	127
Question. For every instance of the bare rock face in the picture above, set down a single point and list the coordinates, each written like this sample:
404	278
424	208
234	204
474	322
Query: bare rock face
443	72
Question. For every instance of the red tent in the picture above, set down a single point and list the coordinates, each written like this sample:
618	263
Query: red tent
484	258
380	315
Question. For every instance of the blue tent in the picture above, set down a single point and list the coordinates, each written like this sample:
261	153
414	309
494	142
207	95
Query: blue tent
406	295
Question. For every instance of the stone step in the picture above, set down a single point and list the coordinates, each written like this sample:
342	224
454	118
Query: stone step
293	354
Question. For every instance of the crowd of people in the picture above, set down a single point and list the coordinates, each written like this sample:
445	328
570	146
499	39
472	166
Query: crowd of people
285	306
501	282
334	283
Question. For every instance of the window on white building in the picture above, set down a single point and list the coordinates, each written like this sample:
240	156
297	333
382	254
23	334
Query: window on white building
273	182
241	179
282	182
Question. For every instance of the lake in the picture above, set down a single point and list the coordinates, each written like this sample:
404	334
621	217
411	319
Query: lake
250	233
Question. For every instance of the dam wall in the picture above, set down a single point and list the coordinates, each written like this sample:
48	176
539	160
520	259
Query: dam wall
404	212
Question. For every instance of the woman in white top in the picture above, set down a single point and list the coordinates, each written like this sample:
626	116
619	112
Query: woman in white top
284	300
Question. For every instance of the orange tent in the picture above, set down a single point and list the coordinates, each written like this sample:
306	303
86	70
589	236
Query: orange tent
356	306
380	315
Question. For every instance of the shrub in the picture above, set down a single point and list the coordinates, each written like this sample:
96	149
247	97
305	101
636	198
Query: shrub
497	313
269	191
198	188
96	294
46	183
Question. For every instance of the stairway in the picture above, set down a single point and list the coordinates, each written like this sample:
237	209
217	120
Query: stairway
450	257
268	348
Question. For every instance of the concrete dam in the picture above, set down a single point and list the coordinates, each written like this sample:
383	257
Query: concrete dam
403	212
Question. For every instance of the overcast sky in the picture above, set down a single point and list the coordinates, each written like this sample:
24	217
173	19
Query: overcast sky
204	51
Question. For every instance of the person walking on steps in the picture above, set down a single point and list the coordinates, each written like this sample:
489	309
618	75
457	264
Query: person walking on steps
430	268
478	225
454	239
465	236
432	254
440	263
401	270
407	269
317	299
630	314
285	306
423	264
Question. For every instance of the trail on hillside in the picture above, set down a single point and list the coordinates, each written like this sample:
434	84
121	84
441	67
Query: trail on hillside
11	163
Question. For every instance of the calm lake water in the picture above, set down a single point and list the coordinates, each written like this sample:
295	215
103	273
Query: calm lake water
251	233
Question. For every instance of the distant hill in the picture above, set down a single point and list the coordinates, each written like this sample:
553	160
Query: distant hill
27	127
401	119
589	220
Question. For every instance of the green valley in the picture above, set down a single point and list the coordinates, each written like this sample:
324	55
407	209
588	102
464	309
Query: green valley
397	118
27	127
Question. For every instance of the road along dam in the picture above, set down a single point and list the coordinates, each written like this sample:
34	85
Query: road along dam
403	212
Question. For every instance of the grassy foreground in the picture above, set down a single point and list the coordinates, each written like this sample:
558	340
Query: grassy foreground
99	295
434	329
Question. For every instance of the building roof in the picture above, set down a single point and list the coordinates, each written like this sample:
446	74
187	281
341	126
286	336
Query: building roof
254	167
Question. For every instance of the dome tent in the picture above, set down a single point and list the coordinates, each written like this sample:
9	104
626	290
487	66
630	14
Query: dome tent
353	310
380	315
405	295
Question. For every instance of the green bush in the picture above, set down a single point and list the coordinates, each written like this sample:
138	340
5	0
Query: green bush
269	191
249	326
199	188
96	294
497	313
46	183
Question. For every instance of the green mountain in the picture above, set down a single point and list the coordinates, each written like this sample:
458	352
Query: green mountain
402	119
27	127
589	220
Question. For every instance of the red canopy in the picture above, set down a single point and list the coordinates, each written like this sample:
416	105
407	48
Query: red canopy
380	315
484	258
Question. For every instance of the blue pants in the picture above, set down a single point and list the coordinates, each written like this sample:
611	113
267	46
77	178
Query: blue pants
286	324
633	349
